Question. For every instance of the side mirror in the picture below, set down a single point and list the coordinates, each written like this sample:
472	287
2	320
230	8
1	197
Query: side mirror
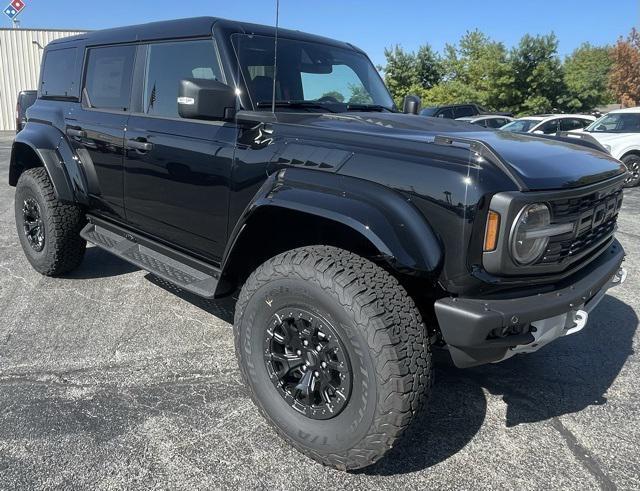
200	98
411	104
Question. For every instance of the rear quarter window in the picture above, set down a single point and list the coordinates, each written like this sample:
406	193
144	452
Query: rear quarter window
58	74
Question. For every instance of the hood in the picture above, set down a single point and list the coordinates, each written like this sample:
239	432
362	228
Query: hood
541	163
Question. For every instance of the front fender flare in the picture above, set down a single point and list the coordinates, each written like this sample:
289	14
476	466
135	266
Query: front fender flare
383	216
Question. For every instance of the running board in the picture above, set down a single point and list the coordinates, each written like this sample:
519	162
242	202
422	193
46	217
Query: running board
184	271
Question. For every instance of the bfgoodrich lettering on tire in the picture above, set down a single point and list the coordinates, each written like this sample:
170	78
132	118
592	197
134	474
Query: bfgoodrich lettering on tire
334	352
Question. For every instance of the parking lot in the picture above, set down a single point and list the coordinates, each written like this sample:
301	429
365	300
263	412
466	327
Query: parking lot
110	378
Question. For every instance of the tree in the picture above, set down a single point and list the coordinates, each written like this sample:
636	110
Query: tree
359	95
334	94
625	72
410	73
538	75
478	69
586	76
400	72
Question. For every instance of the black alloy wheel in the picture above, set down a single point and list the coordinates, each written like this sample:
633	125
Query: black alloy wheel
307	363
633	166
33	225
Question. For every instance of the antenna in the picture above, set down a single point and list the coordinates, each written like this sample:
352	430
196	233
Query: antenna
275	59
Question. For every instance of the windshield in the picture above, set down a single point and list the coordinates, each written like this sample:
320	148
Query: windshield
309	75
520	125
429	111
616	123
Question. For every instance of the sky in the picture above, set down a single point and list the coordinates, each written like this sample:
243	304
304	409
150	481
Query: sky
371	25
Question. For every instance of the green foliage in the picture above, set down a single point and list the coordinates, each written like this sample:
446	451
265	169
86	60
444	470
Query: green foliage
334	94
359	95
529	78
586	76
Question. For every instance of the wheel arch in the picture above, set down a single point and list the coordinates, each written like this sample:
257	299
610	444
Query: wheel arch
297	208
39	145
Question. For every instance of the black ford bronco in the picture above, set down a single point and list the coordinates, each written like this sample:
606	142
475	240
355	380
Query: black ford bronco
355	237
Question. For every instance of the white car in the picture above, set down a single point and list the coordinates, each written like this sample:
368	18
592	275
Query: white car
549	124
494	121
619	132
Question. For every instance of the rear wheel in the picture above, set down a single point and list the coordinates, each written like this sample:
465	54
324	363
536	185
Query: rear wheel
49	230
633	165
334	352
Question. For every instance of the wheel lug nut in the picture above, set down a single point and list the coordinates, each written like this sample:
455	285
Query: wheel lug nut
298	352
323	364
305	342
318	348
316	374
304	368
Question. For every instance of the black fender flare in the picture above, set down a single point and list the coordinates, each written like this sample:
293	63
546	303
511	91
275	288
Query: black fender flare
56	155
386	218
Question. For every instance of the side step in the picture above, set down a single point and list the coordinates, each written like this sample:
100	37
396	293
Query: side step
184	271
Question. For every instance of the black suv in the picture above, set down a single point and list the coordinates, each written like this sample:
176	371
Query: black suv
355	238
455	111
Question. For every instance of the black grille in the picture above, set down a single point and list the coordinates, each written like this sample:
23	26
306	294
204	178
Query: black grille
595	216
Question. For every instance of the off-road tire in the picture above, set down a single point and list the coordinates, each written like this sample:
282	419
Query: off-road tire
632	162
380	327
63	247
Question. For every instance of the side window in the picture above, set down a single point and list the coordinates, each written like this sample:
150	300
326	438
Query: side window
108	76
446	113
58	73
549	128
167	64
569	124
494	123
463	111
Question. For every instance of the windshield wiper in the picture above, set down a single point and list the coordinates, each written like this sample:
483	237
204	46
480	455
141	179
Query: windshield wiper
295	104
369	107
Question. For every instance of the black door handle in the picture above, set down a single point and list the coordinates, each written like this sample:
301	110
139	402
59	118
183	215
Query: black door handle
142	146
76	132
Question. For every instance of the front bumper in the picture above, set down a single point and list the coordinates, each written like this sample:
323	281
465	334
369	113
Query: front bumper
480	331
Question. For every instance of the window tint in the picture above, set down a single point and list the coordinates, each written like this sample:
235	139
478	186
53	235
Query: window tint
549	128
494	122
58	73
341	85
108	76
167	64
446	113
569	124
463	111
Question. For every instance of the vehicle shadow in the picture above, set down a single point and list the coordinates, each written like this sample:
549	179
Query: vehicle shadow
564	377
98	263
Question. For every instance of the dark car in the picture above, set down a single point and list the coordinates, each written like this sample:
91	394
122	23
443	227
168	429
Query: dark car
455	111
355	238
26	98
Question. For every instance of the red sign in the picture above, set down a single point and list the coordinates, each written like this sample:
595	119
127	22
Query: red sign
18	5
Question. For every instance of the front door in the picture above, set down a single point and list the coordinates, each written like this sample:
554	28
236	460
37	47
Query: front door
177	171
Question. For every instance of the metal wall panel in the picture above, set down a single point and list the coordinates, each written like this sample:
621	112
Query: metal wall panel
20	56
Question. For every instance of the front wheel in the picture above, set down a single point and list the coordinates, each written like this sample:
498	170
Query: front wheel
633	165
334	352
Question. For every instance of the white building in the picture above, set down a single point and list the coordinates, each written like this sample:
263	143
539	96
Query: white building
20	56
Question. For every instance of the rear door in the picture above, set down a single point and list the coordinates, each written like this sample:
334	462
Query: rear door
96	127
177	170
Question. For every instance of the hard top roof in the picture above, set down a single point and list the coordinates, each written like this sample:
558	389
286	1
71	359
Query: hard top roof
188	28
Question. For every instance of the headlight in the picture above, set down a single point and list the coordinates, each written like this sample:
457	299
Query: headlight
528	241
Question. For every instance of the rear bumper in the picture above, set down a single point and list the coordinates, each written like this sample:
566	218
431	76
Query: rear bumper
480	331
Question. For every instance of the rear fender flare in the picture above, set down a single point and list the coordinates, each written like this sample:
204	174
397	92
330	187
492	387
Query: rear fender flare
58	158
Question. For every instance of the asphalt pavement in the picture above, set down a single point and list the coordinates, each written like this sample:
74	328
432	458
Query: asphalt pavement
112	379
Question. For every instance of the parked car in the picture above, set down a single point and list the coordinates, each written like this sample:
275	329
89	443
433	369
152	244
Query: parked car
549	124
353	236
488	120
455	111
26	98
619	132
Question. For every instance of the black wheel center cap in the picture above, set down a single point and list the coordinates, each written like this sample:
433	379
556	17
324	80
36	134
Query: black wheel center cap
307	363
